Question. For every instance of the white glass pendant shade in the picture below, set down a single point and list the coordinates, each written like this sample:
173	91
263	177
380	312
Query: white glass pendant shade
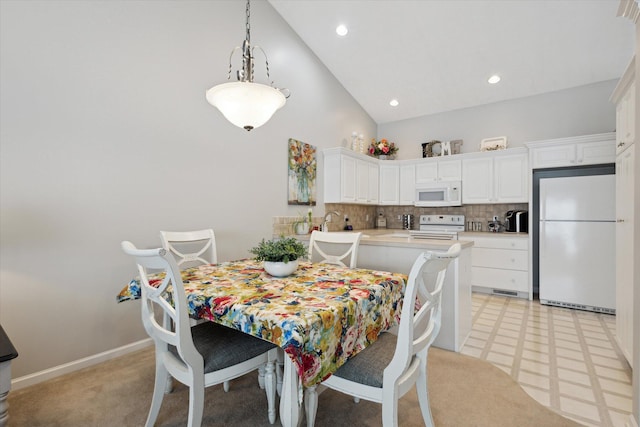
247	105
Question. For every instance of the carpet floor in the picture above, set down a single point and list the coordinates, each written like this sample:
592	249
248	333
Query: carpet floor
464	391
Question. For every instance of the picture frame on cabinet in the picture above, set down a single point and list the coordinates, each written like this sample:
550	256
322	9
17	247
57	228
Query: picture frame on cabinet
439	148
492	144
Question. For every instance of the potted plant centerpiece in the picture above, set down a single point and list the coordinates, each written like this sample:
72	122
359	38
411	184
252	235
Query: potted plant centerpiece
280	256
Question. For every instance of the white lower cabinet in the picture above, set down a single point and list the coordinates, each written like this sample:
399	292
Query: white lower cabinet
499	263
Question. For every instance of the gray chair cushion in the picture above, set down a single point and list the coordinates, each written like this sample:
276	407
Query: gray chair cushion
222	347
367	367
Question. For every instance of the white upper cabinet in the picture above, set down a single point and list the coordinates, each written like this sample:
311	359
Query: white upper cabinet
374	183
624	98
407	184
495	177
435	169
574	151
350	177
389	184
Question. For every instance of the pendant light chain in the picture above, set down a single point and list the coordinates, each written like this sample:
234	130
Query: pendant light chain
248	37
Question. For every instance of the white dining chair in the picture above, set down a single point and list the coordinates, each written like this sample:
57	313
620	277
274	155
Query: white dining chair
388	368
191	248
198	356
334	247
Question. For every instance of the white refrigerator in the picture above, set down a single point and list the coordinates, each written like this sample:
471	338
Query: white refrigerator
577	242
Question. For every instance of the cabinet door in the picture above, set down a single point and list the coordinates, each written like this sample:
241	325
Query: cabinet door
427	171
511	179
625	120
593	153
373	183
548	157
389	184
477	180
348	182
631	115
407	184
624	250
449	170
362	181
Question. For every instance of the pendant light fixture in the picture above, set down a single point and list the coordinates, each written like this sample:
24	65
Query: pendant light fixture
244	103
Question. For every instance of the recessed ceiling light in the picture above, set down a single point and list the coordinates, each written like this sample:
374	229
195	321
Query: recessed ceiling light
494	79
342	30
394	103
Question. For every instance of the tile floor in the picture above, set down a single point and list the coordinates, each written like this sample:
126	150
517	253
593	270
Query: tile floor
565	359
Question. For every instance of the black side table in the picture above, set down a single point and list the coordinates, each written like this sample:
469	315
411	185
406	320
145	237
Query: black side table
7	354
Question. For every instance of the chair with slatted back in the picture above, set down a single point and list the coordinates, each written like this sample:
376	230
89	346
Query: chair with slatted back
334	247
198	356
388	368
191	248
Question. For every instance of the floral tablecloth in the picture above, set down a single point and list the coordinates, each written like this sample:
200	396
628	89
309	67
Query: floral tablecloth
321	315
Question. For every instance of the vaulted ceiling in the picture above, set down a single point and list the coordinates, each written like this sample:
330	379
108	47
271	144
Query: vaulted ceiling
436	55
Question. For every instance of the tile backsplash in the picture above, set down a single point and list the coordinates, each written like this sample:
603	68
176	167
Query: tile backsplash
364	217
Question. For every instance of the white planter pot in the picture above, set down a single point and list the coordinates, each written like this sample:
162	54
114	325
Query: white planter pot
302	228
280	269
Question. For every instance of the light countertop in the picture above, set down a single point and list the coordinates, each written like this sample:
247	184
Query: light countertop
399	238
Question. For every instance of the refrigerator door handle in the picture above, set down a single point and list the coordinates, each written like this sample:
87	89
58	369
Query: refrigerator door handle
542	240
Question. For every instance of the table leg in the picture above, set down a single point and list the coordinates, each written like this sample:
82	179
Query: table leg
291	397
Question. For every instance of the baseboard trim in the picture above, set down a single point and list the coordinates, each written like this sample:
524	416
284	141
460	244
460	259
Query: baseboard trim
56	371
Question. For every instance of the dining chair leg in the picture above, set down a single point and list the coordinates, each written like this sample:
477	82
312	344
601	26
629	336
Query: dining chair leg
390	410
196	401
422	388
168	388
311	404
161	383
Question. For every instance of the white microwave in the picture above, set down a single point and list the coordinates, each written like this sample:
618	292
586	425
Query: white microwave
439	193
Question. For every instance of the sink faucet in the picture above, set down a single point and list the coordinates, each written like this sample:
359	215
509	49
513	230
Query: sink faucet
324	226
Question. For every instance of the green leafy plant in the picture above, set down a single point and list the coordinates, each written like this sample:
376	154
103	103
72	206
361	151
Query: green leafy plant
284	249
301	220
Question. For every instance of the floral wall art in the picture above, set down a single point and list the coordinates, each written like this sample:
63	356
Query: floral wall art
302	173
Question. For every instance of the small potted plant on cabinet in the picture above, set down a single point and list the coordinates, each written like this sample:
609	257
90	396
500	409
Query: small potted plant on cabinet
303	224
280	256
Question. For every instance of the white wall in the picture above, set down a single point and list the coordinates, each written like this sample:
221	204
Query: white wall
106	136
578	111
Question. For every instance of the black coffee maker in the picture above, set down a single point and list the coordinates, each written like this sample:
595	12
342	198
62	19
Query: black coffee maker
516	221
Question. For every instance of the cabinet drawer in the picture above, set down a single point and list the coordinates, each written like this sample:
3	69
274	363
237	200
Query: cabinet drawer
492	278
499	242
500	258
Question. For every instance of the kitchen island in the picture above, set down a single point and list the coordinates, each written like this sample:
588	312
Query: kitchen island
396	250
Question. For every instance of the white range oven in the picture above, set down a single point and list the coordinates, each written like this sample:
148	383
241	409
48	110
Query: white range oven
442	227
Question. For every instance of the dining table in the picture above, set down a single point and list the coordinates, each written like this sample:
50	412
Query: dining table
320	316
